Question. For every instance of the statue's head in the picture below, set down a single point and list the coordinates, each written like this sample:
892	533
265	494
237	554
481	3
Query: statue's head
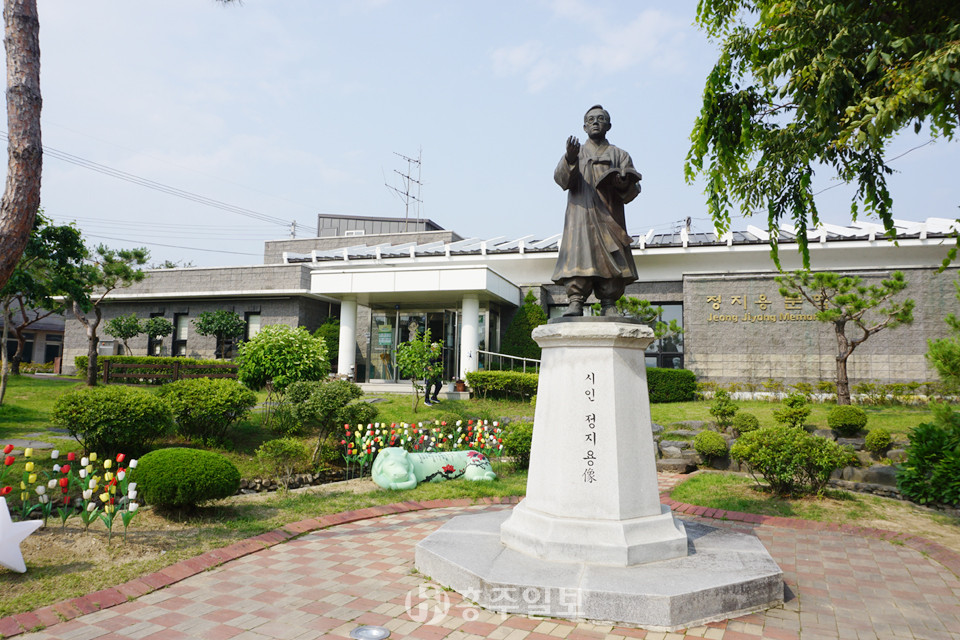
391	465
596	122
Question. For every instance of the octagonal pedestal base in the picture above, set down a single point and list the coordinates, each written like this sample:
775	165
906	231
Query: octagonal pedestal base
724	575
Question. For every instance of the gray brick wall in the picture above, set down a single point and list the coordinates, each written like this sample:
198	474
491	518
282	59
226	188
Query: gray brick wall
292	311
744	342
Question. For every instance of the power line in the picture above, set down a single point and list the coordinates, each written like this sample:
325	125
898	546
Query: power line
162	188
171	246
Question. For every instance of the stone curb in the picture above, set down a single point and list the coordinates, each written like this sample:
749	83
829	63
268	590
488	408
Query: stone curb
69	609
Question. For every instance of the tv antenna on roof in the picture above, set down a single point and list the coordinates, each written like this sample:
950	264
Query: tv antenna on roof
410	184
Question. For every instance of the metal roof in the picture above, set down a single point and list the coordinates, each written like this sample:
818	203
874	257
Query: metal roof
786	234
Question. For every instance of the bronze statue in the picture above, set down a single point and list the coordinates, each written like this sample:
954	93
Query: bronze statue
595	255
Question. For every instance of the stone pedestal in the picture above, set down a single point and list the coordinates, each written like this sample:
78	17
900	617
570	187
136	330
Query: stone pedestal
592	490
591	539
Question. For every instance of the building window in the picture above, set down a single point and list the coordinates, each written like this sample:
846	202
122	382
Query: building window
180	324
252	328
667	352
53	347
155	343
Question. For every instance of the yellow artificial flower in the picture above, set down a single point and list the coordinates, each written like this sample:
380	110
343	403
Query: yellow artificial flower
107	463
107	477
28	452
113	489
23	485
104	496
28	466
32	478
89	468
93	457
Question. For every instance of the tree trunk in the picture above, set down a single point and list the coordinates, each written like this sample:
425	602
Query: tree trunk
17	355
844	349
92	341
3	352
843	383
21	194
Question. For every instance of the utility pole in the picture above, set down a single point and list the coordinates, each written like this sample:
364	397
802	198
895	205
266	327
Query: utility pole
410	184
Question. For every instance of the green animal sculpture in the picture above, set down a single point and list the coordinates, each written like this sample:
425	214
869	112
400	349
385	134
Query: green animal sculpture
395	468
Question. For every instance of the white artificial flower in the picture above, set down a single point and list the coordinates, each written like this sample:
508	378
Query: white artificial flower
91	506
133	464
133	507
40	489
56	468
121	475
54	454
132	495
52	484
43	498
92	484
87	494
132	486
83	473
84	462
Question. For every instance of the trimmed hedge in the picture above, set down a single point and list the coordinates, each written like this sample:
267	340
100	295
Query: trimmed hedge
185	477
671	385
149	375
847	420
111	420
503	384
664	385
205	408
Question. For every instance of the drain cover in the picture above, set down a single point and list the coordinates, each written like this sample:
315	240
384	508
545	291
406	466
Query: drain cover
370	633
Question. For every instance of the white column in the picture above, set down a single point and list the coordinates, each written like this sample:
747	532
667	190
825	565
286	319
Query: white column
348	338
468	335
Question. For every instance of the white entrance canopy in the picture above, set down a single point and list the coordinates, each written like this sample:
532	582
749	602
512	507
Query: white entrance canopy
453	285
415	285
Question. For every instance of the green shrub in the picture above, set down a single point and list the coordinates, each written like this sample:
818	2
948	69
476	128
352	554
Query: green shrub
847	420
517	340
931	472
283	355
723	408
877	441
321	406
111	420
281	459
204	408
795	411
671	385
710	444
185	477
517	438
791	460
745	422
151	375
503	384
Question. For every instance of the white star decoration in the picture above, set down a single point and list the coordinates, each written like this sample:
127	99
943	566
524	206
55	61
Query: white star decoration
11	535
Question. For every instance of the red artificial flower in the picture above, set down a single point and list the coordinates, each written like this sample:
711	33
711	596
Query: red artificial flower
64	482
65	468
8	460
120	457
71	456
343	442
346	427
8	448
5	490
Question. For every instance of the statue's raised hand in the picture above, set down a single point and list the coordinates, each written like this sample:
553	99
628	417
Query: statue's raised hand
573	149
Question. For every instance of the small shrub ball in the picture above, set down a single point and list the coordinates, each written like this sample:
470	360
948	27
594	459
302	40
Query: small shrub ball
185	477
847	420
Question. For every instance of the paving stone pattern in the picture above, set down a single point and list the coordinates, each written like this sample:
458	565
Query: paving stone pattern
852	583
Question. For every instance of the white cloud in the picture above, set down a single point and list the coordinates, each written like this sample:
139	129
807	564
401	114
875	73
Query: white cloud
652	41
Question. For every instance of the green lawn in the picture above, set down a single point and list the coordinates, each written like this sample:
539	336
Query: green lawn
896	419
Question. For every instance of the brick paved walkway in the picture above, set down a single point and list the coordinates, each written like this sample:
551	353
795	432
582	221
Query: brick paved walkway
841	584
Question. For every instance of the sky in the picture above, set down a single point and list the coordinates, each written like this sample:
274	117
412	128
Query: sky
200	130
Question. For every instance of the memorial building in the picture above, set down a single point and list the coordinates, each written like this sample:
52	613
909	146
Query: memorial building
386	279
